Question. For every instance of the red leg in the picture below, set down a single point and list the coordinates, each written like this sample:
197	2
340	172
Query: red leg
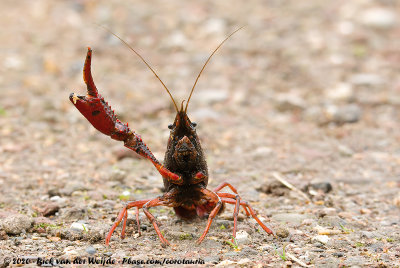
123	214
168	199
236	211
137	220
97	111
154	203
230	200
125	221
233	189
223	185
228	195
235	215
215	199
124	225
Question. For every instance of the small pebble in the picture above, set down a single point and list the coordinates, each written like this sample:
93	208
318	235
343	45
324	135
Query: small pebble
308	222
381	18
323	186
350	113
74	213
55	198
49	209
289	102
3	235
326	212
338	254
91	250
367	234
126	193
320	238
242	237
162	218
54	239
118	175
214	259
16	224
58	199
345	151
71	253
215	25
366	79
248	251
282	232
176	40
325	231
365	211
79	226
225	263
341	92
318	244
267	248
244	262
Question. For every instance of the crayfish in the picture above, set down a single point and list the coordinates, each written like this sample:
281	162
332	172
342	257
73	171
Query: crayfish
184	171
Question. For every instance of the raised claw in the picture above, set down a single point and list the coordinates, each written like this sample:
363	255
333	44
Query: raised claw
92	106
97	111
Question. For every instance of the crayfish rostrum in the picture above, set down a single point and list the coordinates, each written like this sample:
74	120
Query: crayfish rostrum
184	170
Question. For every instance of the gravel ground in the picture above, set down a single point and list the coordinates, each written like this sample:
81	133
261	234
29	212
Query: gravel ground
307	93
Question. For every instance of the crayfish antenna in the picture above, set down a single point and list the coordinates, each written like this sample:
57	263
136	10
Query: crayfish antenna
145	62
204	66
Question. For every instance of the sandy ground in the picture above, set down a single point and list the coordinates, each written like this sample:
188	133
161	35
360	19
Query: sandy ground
308	91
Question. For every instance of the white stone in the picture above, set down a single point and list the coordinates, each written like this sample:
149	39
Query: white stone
79	226
126	193
341	92
162	218
365	79
58	199
379	18
244	261
321	238
215	25
242	237
177	39
55	198
344	150
225	263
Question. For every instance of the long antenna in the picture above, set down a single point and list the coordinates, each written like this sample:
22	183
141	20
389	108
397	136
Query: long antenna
145	62
204	66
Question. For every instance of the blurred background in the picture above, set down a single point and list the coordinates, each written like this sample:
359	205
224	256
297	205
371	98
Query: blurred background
310	89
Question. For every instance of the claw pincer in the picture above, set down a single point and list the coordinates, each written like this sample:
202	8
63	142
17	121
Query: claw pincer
92	106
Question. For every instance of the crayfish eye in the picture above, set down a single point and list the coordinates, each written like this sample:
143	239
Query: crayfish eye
194	124
170	126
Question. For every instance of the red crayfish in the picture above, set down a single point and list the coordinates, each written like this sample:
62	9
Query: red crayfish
184	171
